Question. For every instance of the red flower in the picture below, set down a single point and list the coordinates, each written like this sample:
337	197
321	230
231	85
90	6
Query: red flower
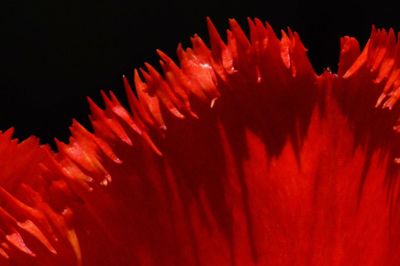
241	155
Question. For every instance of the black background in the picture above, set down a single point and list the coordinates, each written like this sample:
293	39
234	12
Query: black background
54	53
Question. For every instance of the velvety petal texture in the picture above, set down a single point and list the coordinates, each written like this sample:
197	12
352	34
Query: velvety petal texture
239	154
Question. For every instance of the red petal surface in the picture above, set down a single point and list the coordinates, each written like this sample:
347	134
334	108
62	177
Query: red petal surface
240	154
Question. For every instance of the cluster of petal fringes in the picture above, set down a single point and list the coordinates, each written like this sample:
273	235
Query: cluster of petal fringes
371	77
37	194
35	211
45	196
381	56
203	75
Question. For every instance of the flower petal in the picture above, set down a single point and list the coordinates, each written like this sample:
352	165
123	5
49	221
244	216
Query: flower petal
241	155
